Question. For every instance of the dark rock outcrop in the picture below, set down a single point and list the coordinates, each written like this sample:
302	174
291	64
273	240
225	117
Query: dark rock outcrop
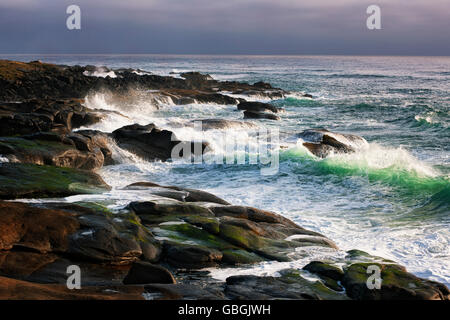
259	110
258	107
30	181
150	142
76	231
187	194
13	289
43	115
145	273
260	115
219	124
291	285
322	142
196	76
220	234
396	282
21	81
62	150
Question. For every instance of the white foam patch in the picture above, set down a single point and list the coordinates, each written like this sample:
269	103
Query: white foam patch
376	156
272	268
100	72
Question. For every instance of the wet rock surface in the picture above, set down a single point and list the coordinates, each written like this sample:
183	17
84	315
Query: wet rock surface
152	248
152	143
19	180
322	142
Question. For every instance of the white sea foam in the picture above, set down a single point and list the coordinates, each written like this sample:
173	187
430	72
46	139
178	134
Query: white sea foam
376	156
100	72
351	211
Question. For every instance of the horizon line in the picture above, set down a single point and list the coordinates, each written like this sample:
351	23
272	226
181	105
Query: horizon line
222	54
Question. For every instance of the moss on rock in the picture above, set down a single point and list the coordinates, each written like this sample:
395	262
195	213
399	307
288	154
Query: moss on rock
31	181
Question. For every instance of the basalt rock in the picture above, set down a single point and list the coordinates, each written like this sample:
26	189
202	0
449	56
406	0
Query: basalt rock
396	282
19	180
13	289
152	143
145	273
258	107
21	81
188	96
184	194
291	285
196	76
220	124
199	234
72	151
259	110
322	142
260	115
43	115
33	237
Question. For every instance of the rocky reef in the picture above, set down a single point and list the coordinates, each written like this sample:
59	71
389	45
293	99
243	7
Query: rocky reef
157	248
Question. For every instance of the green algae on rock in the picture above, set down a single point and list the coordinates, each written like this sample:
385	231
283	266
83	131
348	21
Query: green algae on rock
32	181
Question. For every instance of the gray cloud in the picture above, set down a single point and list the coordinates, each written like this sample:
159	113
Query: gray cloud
233	26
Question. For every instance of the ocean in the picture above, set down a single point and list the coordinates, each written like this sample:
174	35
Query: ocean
391	199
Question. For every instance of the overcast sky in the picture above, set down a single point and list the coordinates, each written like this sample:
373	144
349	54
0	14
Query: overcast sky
409	27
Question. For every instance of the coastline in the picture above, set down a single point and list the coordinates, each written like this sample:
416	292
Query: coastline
47	108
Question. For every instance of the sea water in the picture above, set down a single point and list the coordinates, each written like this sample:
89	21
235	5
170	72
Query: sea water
391	199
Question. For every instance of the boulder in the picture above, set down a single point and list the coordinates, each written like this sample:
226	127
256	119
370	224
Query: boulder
42	115
220	124
290	285
74	231
13	289
199	234
185	291
30	181
145	273
149	142
196	76
322	142
21	81
258	107
189	96
181	194
71	151
324	269
31	228
260	115
396	284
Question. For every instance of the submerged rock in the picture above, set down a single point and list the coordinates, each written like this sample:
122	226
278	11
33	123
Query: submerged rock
322	142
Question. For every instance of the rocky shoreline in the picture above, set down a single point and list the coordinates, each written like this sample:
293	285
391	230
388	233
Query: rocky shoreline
152	249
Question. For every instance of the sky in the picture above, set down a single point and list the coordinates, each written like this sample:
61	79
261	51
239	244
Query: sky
408	27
